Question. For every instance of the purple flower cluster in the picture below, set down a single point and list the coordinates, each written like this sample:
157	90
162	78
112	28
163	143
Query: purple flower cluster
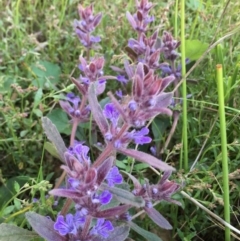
84	188
140	20
72	107
73	225
86	25
147	98
100	204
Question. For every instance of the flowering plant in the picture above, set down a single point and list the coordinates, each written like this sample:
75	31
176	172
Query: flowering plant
101	198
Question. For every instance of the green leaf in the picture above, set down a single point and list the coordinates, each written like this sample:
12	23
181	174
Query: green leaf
16	186
195	49
7	191
51	149
8	210
17	204
159	126
46	74
147	235
6	82
60	119
9	232
37	98
54	136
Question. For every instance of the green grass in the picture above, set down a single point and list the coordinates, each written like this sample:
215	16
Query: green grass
38	36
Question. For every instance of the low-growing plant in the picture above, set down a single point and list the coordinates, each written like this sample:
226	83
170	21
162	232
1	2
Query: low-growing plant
100	203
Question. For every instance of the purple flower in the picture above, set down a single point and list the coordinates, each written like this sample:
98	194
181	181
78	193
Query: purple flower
104	198
119	94
102	228
122	79
65	227
111	113
114	177
140	137
72	107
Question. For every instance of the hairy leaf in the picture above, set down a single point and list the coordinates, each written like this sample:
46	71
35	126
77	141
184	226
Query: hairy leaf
44	227
112	212
54	136
65	193
125	196
103	169
119	233
147	235
144	157
96	110
158	218
9	232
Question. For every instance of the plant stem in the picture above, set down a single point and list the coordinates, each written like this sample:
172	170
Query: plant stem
184	88
219	70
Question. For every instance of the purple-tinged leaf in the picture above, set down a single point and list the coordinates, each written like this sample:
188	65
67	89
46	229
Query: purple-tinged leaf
54	136
131	20
79	86
97	110
140	70
112	212
83	63
117	106
167	81
158	218
118	70
157	111
97	20
103	169
147	235
146	158
155	87
129	69
10	232
165	177
137	87
91	176
44	227
139	16
154	58
137	185
65	193
125	196
163	100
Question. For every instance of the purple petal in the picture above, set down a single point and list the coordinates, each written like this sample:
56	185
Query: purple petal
79	219
102	228
122	79
74	182
105	197
114	177
65	227
142	140
95	39
111	113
